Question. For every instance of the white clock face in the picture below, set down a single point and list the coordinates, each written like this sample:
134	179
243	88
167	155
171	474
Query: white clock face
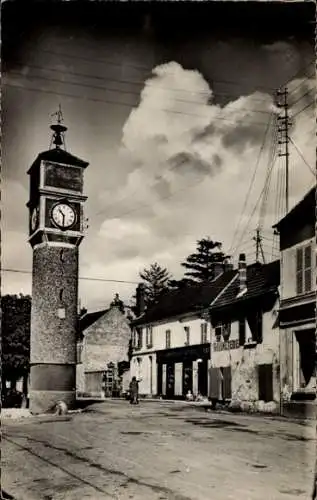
63	215
34	219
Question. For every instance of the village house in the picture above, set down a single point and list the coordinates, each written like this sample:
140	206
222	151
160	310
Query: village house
245	338
103	352
171	340
297	315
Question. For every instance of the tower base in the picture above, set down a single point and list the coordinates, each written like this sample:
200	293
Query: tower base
45	401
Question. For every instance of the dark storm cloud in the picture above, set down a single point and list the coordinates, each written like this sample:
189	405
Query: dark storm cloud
187	163
237	138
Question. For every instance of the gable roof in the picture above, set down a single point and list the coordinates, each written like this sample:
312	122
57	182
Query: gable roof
305	206
261	280
189	299
89	319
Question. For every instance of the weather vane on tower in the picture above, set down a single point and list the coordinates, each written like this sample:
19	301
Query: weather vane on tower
58	138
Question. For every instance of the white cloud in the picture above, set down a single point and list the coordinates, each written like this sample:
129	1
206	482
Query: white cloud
182	172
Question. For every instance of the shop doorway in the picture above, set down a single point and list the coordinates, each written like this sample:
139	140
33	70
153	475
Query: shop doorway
170	380
203	377
187	377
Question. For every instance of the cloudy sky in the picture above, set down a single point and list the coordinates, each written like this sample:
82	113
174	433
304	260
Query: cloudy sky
175	128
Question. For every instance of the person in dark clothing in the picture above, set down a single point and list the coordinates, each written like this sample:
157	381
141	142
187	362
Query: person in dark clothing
134	391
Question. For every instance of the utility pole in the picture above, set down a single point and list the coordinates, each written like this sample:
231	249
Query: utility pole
283	126
259	247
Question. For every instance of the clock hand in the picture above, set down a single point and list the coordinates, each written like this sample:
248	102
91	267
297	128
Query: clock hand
63	215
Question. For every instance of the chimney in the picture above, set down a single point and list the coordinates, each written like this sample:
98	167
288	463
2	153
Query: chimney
228	266
242	267
140	299
218	268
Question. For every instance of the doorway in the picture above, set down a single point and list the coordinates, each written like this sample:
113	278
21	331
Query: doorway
170	380
187	377
203	377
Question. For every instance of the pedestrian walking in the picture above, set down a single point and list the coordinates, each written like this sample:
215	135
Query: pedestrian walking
134	391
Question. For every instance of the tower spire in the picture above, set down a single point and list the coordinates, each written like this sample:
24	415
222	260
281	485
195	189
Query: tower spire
58	138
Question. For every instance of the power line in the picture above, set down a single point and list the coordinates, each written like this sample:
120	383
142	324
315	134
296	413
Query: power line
258	200
138	67
301	70
124	104
301	97
129	82
158	200
86	278
302	156
120	91
306	107
251	183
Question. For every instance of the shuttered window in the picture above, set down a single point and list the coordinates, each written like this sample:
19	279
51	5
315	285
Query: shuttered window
168	339
203	333
139	338
149	336
304	269
187	335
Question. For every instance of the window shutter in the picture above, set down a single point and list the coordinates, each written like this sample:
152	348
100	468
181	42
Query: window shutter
259	327
308	268
242	331
299	271
214	384
203	328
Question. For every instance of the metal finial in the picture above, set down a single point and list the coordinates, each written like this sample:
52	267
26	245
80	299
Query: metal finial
58	129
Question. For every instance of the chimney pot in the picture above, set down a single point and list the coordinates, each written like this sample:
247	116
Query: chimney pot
140	299
242	268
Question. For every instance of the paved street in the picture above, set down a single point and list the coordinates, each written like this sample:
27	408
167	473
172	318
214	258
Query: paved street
157	451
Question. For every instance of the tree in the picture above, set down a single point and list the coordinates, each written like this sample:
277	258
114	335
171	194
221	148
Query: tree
15	330
201	264
155	280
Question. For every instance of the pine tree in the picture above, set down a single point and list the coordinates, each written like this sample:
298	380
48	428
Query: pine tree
201	264
156	280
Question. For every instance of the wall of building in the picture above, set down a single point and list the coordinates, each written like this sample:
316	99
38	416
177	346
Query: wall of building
244	362
178	336
105	341
144	363
144	368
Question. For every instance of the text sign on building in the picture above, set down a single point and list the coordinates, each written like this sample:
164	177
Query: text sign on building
226	346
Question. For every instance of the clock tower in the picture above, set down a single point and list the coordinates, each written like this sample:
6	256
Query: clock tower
55	232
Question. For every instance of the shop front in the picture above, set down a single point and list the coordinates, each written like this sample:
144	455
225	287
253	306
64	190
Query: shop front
183	369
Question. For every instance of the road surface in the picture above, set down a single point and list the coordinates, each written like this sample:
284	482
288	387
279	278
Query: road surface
157	451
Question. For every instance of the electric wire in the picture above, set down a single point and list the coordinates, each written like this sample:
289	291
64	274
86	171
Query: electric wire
125	104
133	66
82	278
303	109
302	156
259	199
251	184
121	81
